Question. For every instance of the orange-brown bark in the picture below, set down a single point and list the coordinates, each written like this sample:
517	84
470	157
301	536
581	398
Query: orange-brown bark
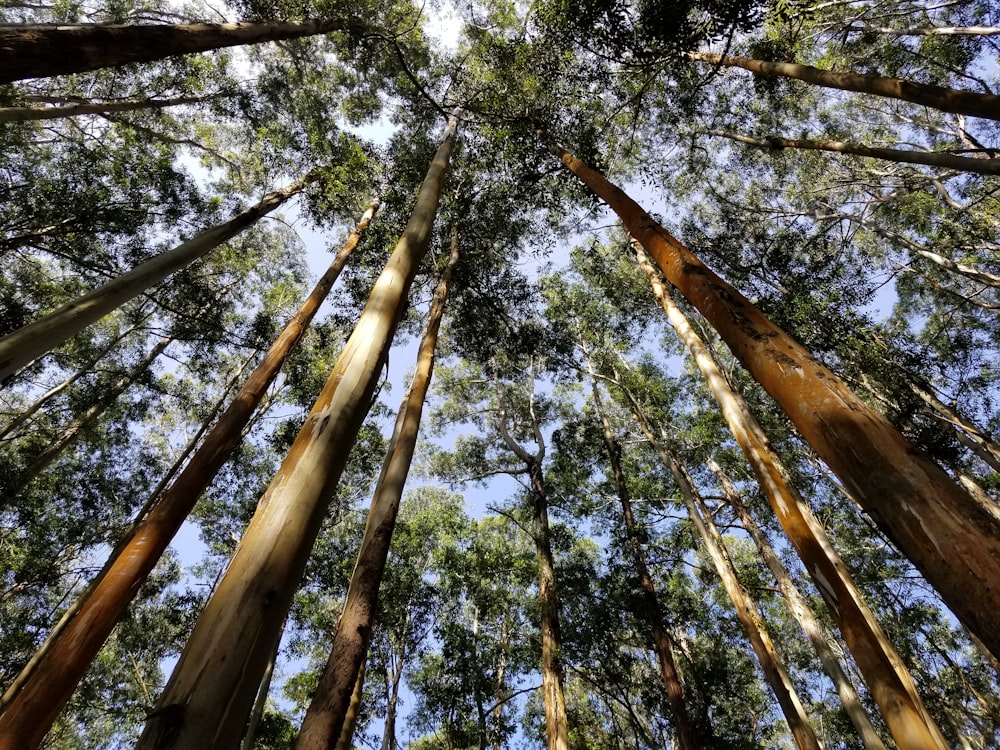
325	719
40	692
950	537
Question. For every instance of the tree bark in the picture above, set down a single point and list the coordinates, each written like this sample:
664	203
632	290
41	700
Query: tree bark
927	158
346	741
803	614
21	347
207	699
890	682
688	735
325	719
42	50
948	535
52	679
24	114
977	440
945	99
250	735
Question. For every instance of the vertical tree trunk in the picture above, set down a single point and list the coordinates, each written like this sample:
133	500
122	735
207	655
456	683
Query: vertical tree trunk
207	699
803	614
324	720
41	50
957	101
389	725
346	741
890	682
688	737
21	347
951	538
51	679
250	735
770	662
24	114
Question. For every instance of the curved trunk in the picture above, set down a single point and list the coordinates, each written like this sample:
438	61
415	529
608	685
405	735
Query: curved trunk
688	737
950	537
41	50
890	682
24	114
324	720
209	695
21	347
52	679
804	615
945	99
927	158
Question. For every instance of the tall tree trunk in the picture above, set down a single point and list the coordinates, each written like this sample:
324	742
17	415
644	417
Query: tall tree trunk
928	158
346	741
42	693
21	347
688	736
890	682
24	114
957	101
948	535
803	614
42	50
324	720
210	692
767	655
250	736
977	440
68	435
389	725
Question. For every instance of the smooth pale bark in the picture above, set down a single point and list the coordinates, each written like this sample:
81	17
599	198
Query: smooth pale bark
389	725
950	537
325	719
21	347
69	434
210	693
976	439
346	741
930	30
927	158
51	679
41	50
688	736
889	681
753	624
945	99
803	614
24	114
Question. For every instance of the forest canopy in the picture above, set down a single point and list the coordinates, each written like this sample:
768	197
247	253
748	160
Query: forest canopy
582	375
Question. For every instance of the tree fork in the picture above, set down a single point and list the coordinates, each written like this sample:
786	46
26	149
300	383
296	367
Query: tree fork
952	539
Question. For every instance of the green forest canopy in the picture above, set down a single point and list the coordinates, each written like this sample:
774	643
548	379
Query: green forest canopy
834	162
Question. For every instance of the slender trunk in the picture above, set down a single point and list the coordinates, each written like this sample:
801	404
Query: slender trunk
957	101
209	694
389	726
259	703
55	676
68	435
803	614
23	114
42	50
346	741
770	662
324	720
21	347
688	737
890	683
31	410
977	440
928	158
946	534
556	721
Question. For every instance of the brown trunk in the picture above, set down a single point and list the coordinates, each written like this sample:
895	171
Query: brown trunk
346	740
948	535
887	677
957	101
53	678
688	737
23	114
21	347
324	720
803	614
928	158
68	435
209	695
41	50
